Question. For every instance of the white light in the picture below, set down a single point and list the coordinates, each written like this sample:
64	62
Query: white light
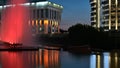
27	4
32	3
93	61
61	6
1	7
4	6
41	3
40	29
106	60
8	5
49	2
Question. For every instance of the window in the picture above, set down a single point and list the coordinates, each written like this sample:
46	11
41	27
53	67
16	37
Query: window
42	13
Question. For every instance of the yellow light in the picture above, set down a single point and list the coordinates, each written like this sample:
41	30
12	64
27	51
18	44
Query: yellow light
40	22
45	22
53	23
36	22
57	23
32	22
116	60
98	61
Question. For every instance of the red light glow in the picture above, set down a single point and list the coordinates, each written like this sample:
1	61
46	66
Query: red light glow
13	22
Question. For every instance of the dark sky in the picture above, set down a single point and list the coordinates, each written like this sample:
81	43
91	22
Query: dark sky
75	11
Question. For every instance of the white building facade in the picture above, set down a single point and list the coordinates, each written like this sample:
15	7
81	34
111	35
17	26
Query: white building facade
45	16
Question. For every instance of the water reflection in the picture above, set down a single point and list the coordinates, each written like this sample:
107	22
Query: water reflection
58	59
30	59
105	60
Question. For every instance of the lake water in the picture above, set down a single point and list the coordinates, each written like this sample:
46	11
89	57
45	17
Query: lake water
58	59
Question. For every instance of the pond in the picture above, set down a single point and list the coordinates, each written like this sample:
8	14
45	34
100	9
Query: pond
44	58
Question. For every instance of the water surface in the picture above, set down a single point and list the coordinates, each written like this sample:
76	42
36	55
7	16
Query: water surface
58	59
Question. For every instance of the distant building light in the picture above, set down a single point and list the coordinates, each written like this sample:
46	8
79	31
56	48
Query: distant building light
8	5
40	29
41	3
1	7
4	6
25	4
32	3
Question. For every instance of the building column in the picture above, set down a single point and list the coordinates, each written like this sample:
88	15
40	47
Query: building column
109	14
116	16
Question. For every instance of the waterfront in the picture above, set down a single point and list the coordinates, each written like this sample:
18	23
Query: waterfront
44	58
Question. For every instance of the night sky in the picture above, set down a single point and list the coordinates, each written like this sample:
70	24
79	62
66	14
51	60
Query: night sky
75	11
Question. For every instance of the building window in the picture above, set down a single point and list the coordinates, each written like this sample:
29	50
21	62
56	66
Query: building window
38	13
34	14
42	13
46	13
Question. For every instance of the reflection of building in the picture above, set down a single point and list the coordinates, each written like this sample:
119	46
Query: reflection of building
109	11
46	59
30	59
105	60
45	16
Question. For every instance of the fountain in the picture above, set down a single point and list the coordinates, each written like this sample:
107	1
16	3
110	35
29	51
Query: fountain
15	29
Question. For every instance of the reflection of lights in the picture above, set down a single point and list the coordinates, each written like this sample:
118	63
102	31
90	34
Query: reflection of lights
36	58
116	60
93	61
98	61
46	58
11	60
106	60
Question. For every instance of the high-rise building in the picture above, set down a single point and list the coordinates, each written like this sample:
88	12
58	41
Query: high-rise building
95	13
111	14
105	13
45	16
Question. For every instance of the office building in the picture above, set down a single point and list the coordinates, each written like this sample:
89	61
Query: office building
95	13
45	16
106	14
111	14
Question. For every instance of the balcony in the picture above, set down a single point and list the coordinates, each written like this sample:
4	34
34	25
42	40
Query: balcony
105	2
92	1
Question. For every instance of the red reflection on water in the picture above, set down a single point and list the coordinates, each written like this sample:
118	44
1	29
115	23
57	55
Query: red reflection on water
11	60
35	59
46	58
13	22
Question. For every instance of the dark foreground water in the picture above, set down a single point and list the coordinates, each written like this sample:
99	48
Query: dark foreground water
58	59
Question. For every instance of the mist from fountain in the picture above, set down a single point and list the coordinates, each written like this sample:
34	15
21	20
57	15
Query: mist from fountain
15	27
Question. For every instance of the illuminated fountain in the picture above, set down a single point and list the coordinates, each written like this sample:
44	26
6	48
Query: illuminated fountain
15	29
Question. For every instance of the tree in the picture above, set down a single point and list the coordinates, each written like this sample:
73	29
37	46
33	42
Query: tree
85	34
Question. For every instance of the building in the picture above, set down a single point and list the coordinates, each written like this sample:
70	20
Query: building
106	14
111	14
45	16
95	13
